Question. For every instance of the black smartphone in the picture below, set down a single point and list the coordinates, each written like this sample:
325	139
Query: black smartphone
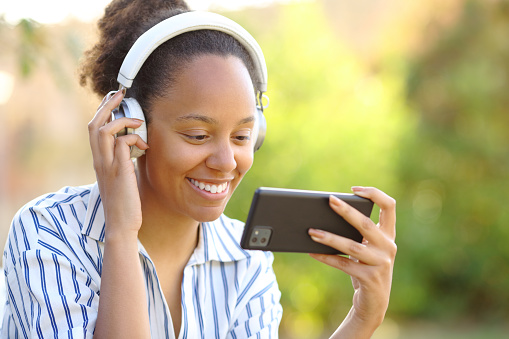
279	220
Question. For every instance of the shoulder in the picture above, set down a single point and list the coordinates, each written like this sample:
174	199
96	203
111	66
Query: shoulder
66	196
47	218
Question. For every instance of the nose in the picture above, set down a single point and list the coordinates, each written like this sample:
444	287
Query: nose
222	158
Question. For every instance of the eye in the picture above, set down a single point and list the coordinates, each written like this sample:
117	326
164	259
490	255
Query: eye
196	138
242	137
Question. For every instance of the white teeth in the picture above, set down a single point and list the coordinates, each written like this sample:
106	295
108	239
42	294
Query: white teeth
209	187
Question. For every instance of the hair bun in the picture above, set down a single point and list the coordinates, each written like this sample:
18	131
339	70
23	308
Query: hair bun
122	23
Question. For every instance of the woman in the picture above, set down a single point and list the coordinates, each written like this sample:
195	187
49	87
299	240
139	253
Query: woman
82	262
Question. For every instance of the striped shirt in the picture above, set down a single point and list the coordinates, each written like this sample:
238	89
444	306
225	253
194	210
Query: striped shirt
53	261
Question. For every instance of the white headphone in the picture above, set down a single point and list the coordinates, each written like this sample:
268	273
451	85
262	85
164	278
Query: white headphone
169	28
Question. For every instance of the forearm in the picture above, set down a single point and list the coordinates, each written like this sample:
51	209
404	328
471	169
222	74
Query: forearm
122	305
353	327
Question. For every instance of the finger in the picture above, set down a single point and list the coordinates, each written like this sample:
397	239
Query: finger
106	136
346	265
118	125
103	113
362	223
387	206
106	98
123	146
350	247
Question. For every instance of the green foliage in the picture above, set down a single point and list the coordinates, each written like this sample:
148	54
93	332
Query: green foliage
332	123
453	173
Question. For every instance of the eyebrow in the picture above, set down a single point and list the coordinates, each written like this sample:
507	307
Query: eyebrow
209	120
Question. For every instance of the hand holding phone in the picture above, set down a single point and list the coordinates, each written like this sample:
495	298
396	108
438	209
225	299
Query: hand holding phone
279	220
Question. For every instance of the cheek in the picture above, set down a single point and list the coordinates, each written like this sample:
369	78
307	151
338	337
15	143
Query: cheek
245	161
168	156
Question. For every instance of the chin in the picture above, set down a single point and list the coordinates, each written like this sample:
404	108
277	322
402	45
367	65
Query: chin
208	214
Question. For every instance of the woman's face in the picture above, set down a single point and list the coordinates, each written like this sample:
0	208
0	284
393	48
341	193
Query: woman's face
201	138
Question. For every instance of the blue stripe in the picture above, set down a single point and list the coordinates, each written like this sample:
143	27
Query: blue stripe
49	231
225	248
38	322
235	241
236	274
61	292
66	241
25	239
166	320
249	285
60	202
75	215
85	315
94	213
61	212
83	246
262	307
225	287
263	291
91	298
12	300
46	197
21	296
214	305
34	219
52	249
92	293
46	295
246	324
103	233
184	310
205	244
147	287
196	301
100	259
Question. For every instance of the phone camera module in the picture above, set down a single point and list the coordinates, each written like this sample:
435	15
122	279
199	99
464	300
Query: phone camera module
260	236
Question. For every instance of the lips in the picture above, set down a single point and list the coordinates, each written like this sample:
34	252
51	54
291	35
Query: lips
209	187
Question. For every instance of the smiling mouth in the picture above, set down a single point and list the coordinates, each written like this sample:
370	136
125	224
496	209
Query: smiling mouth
212	188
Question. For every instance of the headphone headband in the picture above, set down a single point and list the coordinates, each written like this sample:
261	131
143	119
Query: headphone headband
187	22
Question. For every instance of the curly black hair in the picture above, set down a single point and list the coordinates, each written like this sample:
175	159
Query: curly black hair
126	20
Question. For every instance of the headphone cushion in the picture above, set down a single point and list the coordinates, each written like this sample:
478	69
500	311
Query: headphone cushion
262	129
132	109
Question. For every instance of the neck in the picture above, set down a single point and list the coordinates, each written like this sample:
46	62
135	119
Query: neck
164	234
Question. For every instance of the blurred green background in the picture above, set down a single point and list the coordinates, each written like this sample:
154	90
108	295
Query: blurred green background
410	97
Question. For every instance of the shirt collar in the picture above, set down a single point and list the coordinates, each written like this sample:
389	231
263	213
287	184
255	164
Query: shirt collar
218	240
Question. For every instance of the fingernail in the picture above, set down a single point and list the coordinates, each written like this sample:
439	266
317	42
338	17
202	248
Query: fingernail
357	188
124	90
315	234
335	200
138	120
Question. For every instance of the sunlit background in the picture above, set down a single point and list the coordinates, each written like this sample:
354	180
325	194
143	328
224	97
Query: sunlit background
408	96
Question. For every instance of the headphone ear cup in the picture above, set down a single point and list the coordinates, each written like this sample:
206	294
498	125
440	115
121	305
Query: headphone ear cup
130	108
262	129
